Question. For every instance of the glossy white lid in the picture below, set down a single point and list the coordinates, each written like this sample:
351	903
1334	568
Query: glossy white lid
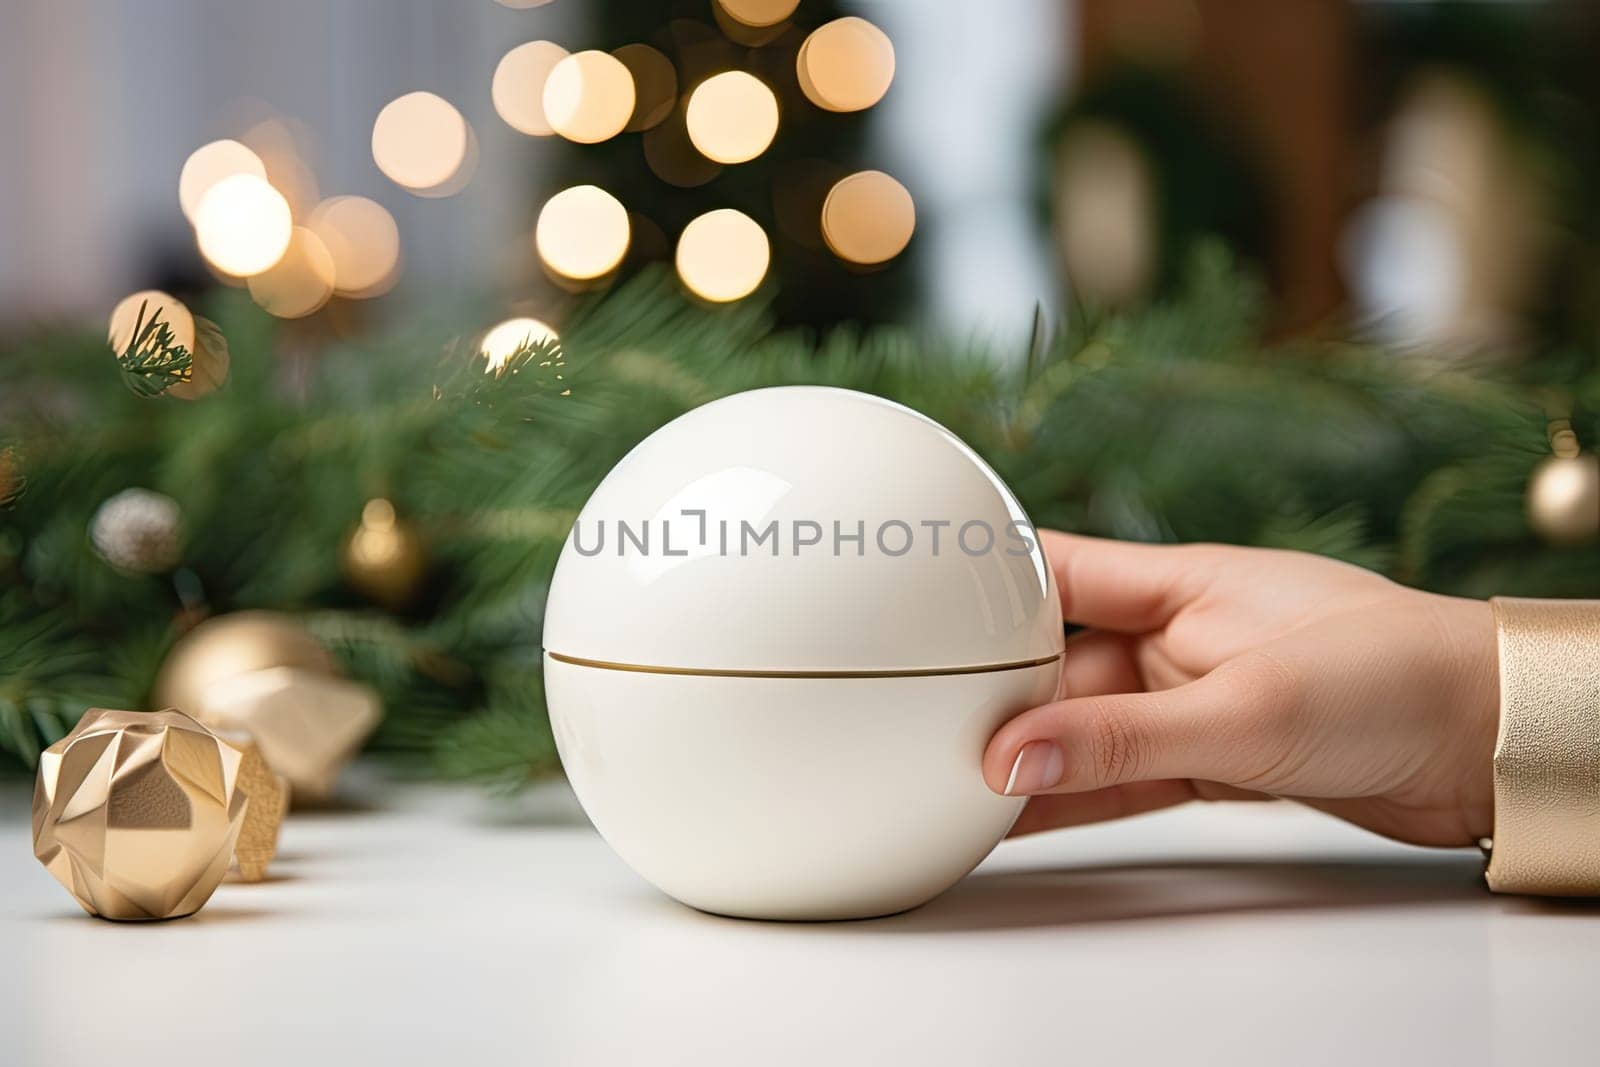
803	454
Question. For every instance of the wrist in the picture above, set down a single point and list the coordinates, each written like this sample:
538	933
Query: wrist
1473	706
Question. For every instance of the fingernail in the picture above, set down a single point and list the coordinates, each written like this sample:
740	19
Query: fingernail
1039	766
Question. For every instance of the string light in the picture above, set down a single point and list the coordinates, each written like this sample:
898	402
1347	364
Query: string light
732	117
723	255
243	225
518	86
845	65
299	283
500	343
582	232
868	217
420	141
208	165
588	97
363	242
148	303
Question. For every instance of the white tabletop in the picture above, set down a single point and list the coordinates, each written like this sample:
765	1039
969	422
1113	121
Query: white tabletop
444	926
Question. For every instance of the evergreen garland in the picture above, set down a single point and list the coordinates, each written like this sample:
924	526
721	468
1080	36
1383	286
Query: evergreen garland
1170	423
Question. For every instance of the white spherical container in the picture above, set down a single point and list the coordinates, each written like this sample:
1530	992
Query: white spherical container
779	637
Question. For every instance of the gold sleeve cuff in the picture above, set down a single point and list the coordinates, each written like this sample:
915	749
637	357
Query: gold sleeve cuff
1547	758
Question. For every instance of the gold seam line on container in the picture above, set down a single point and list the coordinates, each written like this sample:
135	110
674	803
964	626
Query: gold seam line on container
709	672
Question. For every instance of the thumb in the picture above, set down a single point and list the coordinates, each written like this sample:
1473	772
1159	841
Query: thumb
1224	727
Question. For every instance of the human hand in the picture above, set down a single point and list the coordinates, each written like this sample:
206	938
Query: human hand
1212	672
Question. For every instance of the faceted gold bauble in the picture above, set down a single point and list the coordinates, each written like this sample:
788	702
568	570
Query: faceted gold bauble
137	812
269	803
383	557
308	724
228	646
1564	499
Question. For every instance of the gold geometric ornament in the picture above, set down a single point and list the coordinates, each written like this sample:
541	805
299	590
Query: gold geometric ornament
137	812
269	803
307	724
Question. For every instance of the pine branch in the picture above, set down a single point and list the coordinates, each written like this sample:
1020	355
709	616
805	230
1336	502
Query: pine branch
153	360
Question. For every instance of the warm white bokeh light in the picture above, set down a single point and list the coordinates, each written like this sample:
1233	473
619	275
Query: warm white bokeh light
868	217
243	225
723	255
518	86
845	65
148	303
208	165
363	242
758	13
582	232
732	117
588	97
283	145
299	283
655	85
499	343
420	141
462	176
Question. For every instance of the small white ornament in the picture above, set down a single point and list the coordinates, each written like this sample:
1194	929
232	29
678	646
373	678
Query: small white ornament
139	531
777	642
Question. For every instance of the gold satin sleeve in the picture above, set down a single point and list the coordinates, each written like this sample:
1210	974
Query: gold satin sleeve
1547	757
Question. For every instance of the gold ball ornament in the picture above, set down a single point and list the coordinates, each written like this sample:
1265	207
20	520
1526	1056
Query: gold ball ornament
1563	499
262	674
383	557
137	812
228	646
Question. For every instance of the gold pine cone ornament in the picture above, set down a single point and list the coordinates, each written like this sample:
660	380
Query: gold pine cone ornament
136	813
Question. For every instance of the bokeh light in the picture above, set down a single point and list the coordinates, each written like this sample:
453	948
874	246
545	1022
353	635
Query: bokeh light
208	367
283	145
518	86
243	225
732	117
463	175
723	255
845	65
500	343
1104	200
589	97
743	33
299	283
582	232
672	157
148	303
420	141
868	217
208	165
655	85
363	241
758	13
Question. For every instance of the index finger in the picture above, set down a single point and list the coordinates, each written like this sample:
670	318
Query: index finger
1121	585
